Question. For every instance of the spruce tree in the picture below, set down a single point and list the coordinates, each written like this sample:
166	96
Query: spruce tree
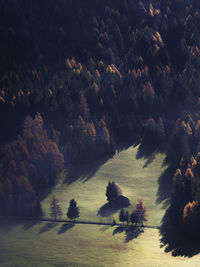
127	217
122	216
73	210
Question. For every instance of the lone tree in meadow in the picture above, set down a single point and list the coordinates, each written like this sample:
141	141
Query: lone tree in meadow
141	212
55	208
73	210
113	191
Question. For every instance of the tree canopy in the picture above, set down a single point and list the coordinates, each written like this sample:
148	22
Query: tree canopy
73	210
113	191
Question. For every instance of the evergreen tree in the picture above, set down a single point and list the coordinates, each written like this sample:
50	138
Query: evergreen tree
113	191
127	217
122	216
73	210
134	217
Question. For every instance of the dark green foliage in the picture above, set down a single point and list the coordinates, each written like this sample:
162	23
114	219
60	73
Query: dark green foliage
122	215
55	208
134	217
127	217
73	210
113	191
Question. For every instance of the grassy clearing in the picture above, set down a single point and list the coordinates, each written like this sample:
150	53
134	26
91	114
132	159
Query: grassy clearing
44	244
135	180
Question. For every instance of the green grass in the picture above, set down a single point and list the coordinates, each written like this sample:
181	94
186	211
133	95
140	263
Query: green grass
82	245
135	181
24	244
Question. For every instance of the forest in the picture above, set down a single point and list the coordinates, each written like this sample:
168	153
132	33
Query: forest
79	77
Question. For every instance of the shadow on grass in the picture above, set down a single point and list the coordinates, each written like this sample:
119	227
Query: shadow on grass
65	227
84	172
165	180
111	207
47	227
123	146
28	224
105	228
131	231
145	151
148	153
8	223
165	187
174	240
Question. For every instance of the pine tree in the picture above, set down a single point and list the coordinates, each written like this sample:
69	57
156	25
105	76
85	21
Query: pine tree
127	217
73	210
122	216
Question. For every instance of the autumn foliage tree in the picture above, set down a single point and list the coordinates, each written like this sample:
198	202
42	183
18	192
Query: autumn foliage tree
28	164
141	212
139	215
190	219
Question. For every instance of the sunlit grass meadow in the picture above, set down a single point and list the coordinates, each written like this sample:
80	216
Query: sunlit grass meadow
136	180
25	243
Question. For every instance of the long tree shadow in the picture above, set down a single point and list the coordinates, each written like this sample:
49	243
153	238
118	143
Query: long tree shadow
165	187
65	227
148	153
111	207
47	227
119	229
84	172
124	145
131	231
105	228
8	223
165	180
175	241
28	224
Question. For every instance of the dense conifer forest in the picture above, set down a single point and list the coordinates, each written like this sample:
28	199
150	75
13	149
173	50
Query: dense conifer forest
79	77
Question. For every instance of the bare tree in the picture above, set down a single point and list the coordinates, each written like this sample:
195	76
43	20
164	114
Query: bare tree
55	208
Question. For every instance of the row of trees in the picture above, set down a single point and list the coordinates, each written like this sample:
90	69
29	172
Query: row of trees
138	216
56	211
113	192
114	196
